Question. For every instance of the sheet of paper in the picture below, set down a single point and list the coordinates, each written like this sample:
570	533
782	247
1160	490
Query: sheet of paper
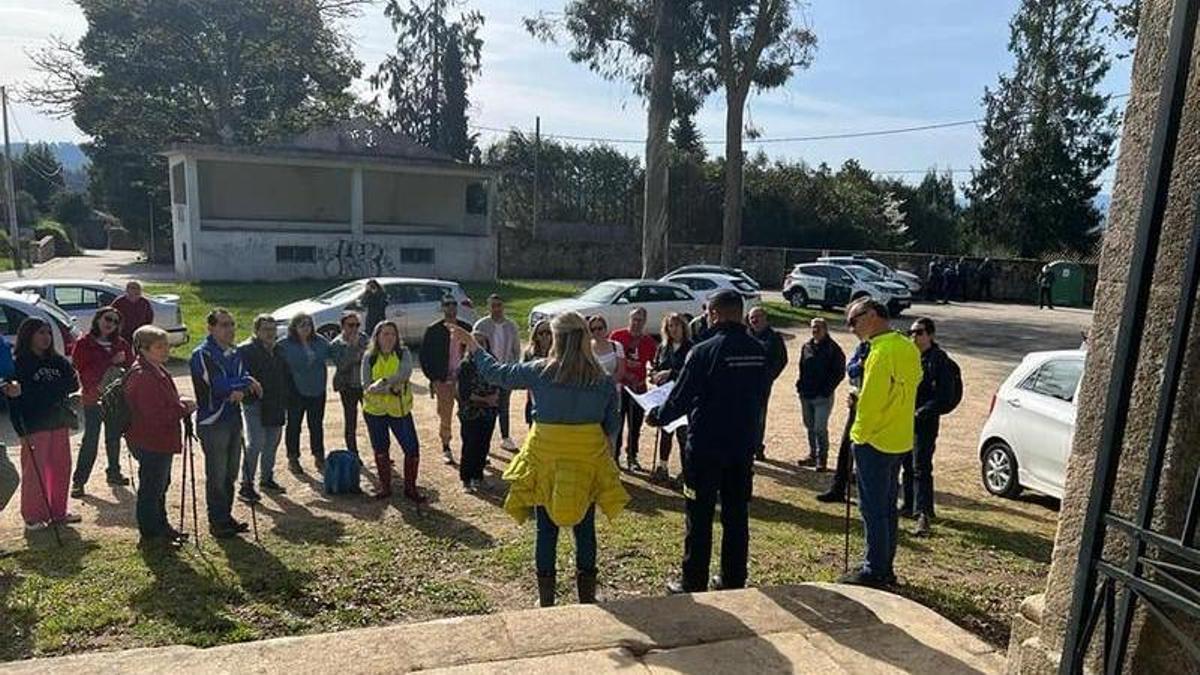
654	398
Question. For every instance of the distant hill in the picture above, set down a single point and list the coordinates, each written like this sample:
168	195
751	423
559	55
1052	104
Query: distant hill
74	162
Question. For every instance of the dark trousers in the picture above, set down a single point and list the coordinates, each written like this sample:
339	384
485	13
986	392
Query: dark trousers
222	445
502	413
733	492
985	288
632	415
154	476
845	460
664	443
762	423
476	439
917	473
878	485
351	399
1044	298
313	408
546	548
93	419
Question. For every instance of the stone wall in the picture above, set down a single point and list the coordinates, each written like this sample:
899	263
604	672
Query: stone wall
1039	636
523	257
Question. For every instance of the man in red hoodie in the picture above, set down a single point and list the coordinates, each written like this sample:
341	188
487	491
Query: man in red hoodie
135	310
639	351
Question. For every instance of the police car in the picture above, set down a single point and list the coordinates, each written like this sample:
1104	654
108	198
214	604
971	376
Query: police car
837	286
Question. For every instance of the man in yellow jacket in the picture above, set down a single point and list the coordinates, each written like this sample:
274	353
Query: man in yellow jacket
882	434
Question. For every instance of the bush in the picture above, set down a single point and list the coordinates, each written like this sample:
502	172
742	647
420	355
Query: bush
64	243
71	208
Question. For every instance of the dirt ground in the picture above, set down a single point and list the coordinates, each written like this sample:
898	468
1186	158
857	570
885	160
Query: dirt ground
986	339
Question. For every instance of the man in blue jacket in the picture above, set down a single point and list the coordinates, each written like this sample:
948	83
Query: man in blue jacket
722	389
221	382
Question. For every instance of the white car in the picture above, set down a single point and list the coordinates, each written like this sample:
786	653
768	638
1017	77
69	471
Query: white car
81	298
412	303
1027	437
912	281
15	308
704	284
615	298
705	268
831	286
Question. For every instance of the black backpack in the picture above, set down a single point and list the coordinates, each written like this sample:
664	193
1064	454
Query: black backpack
956	392
114	409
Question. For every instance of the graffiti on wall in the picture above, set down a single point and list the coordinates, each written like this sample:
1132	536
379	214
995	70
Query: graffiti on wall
345	259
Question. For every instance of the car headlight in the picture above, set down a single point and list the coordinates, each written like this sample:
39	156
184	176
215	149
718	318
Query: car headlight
535	317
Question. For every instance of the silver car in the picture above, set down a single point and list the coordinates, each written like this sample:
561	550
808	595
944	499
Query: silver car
80	298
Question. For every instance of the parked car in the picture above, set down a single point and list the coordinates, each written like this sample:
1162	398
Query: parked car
832	286
704	284
716	269
1027	436
15	308
912	281
81	298
615	298
412	303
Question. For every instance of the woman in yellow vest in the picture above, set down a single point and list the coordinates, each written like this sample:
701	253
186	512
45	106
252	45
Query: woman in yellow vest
565	468
387	367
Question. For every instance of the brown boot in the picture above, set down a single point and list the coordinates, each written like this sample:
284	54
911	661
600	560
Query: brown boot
411	462
546	589
585	584
383	466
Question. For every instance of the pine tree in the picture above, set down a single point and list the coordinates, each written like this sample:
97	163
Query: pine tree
427	78
687	138
1047	134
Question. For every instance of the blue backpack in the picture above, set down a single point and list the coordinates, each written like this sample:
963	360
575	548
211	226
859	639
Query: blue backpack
342	469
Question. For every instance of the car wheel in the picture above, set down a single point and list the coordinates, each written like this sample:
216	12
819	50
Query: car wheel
329	332
1000	470
798	298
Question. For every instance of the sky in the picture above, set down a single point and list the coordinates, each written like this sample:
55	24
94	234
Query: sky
879	64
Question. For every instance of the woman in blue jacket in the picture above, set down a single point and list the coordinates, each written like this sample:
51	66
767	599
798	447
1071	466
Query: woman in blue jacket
307	354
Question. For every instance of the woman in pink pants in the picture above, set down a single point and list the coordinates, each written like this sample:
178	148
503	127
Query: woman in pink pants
42	417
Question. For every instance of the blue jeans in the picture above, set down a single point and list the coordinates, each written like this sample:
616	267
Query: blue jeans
546	548
222	444
261	444
154	476
815	412
93	418
878	487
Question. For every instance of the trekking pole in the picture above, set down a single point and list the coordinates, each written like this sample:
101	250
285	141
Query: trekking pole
846	547
132	473
253	506
658	432
37	470
191	460
183	493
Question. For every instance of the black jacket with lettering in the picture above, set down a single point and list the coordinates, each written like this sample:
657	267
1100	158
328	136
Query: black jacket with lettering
935	390
722	389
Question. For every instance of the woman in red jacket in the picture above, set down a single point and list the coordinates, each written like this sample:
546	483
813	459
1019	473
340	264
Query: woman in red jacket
101	350
155	409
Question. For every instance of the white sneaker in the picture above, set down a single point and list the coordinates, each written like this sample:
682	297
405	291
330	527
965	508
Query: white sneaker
508	445
447	455
34	527
71	518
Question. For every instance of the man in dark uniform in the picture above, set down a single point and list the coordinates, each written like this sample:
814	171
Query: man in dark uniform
722	388
777	359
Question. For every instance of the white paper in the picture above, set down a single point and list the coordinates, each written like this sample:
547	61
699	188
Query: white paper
655	397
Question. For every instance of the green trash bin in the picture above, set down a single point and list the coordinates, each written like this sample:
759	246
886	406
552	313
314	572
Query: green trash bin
1068	284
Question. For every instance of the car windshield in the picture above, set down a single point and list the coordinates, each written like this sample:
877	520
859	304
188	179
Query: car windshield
343	293
743	286
602	292
864	274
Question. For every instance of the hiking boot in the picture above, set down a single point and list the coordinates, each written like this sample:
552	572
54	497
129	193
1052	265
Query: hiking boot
717	583
679	587
248	495
633	464
77	491
508	444
223	532
833	496
585	586
922	529
271	486
861	578
176	535
117	480
660	476
447	456
546	589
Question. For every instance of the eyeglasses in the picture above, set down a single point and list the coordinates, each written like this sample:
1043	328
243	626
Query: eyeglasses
110	319
853	318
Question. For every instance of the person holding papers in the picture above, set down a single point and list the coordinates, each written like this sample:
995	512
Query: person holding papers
665	367
721	388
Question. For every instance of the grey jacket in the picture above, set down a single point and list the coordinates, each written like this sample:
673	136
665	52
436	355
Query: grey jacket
509	330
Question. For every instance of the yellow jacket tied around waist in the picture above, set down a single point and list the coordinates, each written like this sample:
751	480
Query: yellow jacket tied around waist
564	468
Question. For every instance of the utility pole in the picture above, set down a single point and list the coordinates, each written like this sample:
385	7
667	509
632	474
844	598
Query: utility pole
151	202
537	149
14	231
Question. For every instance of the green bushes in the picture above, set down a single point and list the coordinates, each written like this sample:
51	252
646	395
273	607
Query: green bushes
64	242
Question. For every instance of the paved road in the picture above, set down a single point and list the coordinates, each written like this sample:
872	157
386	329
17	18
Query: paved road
99	265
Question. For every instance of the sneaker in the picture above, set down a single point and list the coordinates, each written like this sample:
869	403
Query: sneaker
861	578
832	497
294	466
77	491
922	529
508	444
760	456
447	455
469	487
117	480
633	464
271	486
176	535
70	518
248	495
678	587
223	532
238	526
660	476
34	527
906	514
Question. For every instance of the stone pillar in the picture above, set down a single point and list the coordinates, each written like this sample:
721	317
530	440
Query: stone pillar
1040	628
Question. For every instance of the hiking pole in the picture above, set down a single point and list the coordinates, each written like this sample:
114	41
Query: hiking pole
846	547
37	470
183	493
253	506
189	449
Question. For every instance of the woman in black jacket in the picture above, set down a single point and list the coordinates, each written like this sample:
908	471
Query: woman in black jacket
43	418
265	414
668	361
374	301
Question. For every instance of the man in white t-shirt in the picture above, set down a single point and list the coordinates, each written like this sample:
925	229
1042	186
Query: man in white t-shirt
506	347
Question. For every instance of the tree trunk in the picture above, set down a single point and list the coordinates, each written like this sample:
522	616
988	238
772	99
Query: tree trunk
731	229
655	219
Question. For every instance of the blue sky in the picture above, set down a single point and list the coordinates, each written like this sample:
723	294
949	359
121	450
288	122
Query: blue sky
880	64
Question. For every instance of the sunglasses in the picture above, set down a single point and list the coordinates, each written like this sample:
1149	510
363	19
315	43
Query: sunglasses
853	319
110	319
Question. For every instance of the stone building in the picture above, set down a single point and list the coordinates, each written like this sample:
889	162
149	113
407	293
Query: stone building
1133	477
345	202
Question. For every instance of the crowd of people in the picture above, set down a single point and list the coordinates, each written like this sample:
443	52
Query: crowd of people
583	383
